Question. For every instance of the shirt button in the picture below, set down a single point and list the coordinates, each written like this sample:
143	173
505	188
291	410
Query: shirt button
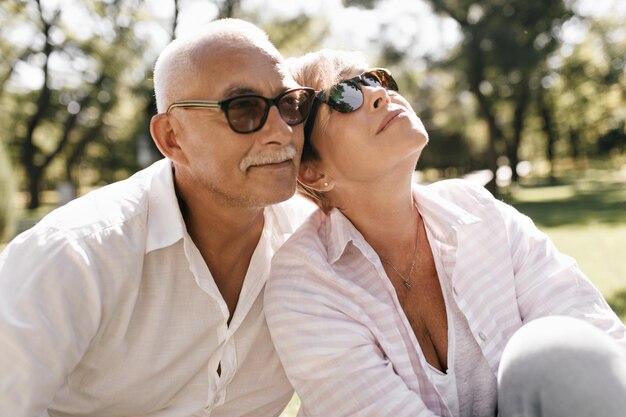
455	291
482	336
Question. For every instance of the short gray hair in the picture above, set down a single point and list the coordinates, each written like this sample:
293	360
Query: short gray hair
176	61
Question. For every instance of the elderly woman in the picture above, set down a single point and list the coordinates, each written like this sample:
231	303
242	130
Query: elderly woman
396	299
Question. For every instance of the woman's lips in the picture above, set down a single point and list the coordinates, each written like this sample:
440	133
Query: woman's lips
390	118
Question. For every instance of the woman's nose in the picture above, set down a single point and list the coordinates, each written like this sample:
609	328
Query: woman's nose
376	96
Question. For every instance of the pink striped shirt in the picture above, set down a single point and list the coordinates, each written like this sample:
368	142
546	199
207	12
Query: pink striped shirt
342	335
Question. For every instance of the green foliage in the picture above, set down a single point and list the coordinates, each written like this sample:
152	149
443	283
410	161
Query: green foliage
297	35
509	79
368	4
588	89
7	189
72	120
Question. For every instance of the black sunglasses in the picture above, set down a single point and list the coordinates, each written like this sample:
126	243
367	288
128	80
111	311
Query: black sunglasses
347	96
247	113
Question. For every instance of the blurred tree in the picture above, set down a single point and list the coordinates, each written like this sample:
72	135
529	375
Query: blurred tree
296	35
147	152
7	188
82	77
587	85
547	108
456	144
505	44
228	8
71	95
504	48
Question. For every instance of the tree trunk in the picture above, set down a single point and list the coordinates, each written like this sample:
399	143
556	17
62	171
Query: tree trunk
492	154
476	76
574	144
228	8
518	126
549	129
29	149
34	187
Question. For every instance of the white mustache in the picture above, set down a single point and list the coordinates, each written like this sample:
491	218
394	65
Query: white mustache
272	157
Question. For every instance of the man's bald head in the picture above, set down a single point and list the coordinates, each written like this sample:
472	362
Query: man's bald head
179	62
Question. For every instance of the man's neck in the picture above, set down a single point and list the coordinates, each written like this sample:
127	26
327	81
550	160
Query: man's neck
217	227
226	235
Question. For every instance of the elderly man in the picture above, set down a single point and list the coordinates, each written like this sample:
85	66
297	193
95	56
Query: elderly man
145	297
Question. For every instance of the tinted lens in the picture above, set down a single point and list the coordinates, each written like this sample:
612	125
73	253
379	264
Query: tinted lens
384	79
246	113
294	106
345	97
371	79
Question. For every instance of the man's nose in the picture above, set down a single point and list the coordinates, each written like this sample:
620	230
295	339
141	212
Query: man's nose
276	130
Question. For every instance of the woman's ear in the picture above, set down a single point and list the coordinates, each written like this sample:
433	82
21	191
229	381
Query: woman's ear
313	178
164	136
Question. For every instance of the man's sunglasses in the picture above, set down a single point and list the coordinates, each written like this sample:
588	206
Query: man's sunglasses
347	96
248	113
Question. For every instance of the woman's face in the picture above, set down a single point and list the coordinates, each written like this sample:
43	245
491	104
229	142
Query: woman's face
383	137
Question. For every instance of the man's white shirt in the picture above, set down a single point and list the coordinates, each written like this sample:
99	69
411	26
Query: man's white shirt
108	309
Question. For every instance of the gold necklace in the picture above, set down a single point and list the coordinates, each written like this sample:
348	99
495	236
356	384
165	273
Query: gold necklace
406	280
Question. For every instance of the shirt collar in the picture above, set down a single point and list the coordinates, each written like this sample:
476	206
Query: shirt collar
443	216
165	221
166	225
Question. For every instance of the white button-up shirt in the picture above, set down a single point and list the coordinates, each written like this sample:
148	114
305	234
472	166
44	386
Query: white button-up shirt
108	309
343	337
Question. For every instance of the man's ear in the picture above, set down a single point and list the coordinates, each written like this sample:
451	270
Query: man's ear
313	178
164	136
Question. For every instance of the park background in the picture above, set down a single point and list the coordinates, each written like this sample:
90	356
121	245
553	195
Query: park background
525	97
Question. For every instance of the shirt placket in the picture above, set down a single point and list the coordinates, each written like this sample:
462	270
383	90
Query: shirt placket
204	280
369	253
226	355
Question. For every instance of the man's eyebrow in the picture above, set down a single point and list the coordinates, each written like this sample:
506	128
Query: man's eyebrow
238	90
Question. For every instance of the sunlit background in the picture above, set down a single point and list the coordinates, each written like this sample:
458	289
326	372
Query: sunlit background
525	97
505	87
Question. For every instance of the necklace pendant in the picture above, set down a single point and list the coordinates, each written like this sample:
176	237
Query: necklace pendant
407	284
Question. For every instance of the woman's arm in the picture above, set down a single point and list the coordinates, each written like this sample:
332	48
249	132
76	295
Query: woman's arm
548	282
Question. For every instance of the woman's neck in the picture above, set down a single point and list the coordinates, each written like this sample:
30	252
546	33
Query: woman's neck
385	214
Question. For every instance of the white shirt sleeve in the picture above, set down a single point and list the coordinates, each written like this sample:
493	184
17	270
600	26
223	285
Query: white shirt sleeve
548	282
49	312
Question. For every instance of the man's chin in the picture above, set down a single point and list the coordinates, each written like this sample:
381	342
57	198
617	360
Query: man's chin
283	195
280	192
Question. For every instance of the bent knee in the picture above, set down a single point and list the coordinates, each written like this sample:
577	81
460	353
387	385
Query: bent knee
561	360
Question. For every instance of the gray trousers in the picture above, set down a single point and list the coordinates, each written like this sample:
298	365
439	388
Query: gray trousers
562	367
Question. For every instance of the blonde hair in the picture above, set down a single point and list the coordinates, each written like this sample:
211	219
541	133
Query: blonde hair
176	63
321	70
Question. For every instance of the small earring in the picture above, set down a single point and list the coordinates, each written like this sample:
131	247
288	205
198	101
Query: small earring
325	184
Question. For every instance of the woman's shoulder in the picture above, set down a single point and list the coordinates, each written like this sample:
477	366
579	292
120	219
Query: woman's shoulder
460	189
465	194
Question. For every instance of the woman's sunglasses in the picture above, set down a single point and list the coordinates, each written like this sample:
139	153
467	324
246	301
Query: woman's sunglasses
248	113
347	96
